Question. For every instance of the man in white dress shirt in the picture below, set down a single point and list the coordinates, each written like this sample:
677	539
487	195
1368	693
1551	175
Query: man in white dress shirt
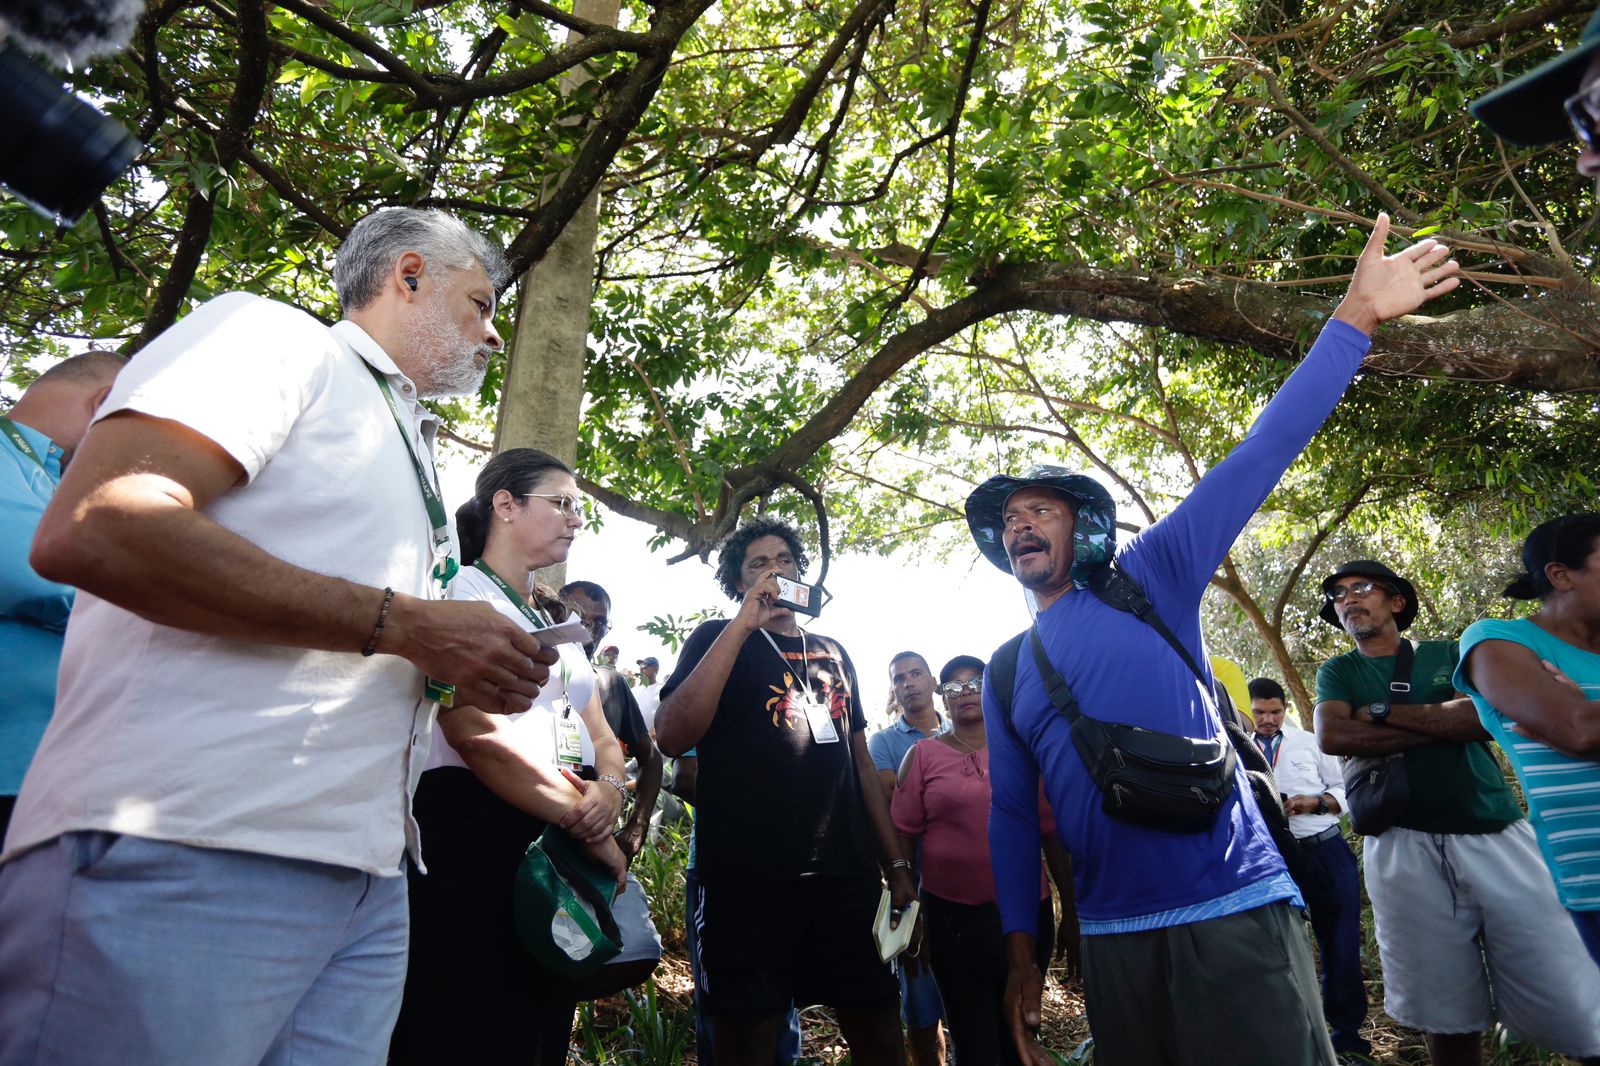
1313	789
206	863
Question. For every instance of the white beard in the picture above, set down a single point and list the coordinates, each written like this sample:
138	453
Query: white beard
448	360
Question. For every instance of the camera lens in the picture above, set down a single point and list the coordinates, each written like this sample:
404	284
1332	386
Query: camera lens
56	152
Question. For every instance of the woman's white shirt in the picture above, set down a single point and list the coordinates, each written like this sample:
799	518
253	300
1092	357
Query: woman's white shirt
572	679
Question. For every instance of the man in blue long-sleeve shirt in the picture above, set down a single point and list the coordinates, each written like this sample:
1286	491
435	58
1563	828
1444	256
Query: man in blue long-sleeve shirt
1193	949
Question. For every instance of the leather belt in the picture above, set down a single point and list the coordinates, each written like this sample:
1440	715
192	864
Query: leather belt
1327	834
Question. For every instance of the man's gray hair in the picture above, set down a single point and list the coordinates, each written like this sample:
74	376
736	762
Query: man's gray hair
368	254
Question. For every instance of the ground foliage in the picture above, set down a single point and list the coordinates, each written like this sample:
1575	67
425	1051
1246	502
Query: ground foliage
861	253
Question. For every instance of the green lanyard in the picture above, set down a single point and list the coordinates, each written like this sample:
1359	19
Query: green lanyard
530	612
444	567
9	428
539	619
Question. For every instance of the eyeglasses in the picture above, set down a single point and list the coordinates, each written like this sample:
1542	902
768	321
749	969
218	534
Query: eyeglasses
956	688
568	504
1581	110
1338	593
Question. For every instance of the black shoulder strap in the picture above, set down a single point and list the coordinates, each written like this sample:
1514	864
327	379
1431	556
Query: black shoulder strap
1116	589
1002	671
1055	686
1400	680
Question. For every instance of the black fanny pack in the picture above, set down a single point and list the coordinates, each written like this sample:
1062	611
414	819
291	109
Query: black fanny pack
1377	788
1154	779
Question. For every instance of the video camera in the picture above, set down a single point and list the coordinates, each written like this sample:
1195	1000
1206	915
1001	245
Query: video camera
57	152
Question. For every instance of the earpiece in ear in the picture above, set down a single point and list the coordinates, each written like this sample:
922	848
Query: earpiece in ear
411	283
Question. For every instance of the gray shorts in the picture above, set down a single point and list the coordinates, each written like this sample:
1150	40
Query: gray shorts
1240	989
1458	912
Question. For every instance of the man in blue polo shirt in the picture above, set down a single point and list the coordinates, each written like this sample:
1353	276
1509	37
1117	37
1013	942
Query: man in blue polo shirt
1193	947
912	682
37	438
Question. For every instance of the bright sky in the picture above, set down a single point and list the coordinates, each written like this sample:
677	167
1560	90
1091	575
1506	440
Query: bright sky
881	605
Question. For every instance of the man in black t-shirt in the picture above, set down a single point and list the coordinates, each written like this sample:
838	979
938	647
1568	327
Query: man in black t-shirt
789	843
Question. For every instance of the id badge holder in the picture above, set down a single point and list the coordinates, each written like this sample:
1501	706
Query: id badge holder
821	723
569	742
444	568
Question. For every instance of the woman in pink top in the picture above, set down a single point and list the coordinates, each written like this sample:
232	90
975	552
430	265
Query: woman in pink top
942	799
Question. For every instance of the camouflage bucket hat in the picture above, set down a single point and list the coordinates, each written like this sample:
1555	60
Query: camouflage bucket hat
1094	533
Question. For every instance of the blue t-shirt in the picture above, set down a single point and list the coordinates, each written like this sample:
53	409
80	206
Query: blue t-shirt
1563	793
33	611
1128	877
888	746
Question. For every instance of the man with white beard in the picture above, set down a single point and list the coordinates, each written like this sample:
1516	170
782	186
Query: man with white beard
207	858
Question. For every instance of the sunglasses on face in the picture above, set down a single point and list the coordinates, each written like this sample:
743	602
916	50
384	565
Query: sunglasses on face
1583	111
569	505
956	688
1338	593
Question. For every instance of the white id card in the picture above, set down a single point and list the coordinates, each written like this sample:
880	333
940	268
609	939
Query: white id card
817	717
569	744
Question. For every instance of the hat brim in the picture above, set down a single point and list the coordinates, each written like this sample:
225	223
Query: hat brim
1402	620
1528	110
986	507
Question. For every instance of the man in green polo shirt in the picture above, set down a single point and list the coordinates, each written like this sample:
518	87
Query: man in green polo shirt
1457	886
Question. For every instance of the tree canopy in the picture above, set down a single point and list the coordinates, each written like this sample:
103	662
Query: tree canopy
855	255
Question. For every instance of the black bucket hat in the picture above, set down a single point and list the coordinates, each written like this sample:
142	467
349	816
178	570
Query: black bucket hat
1528	110
1094	533
1373	569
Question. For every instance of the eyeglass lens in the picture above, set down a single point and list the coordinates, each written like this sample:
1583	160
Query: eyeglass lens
1581	108
1360	588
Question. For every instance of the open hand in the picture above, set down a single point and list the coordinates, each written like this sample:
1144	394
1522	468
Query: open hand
1388	286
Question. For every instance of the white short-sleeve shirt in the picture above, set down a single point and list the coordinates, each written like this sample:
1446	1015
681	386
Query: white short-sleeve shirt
572	679
1303	769
183	736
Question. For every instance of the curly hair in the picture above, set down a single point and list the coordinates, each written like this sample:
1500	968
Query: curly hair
731	552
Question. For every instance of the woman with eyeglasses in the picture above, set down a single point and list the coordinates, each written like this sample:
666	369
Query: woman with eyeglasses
942	798
493	783
1536	683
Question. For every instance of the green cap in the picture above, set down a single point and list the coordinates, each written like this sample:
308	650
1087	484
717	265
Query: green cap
562	902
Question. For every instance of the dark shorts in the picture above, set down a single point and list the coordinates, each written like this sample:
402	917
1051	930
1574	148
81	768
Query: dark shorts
1240	989
805	942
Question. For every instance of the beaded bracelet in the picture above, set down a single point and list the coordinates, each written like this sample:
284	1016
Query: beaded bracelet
383	616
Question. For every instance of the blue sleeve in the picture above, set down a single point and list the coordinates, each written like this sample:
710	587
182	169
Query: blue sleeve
1184	549
878	748
1013	822
1475	634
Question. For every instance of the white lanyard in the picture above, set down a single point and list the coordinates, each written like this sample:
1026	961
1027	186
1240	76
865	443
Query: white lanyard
818	717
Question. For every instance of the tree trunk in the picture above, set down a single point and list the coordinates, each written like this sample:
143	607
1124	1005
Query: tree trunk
1231	584
543	391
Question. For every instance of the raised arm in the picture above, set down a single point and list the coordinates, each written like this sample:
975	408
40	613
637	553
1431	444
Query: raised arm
686	712
1193	539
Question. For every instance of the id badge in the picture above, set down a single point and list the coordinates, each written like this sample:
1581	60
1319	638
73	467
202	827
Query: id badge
441	693
569	743
821	723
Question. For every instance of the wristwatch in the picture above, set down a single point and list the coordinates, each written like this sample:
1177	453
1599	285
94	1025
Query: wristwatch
1322	804
1379	712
